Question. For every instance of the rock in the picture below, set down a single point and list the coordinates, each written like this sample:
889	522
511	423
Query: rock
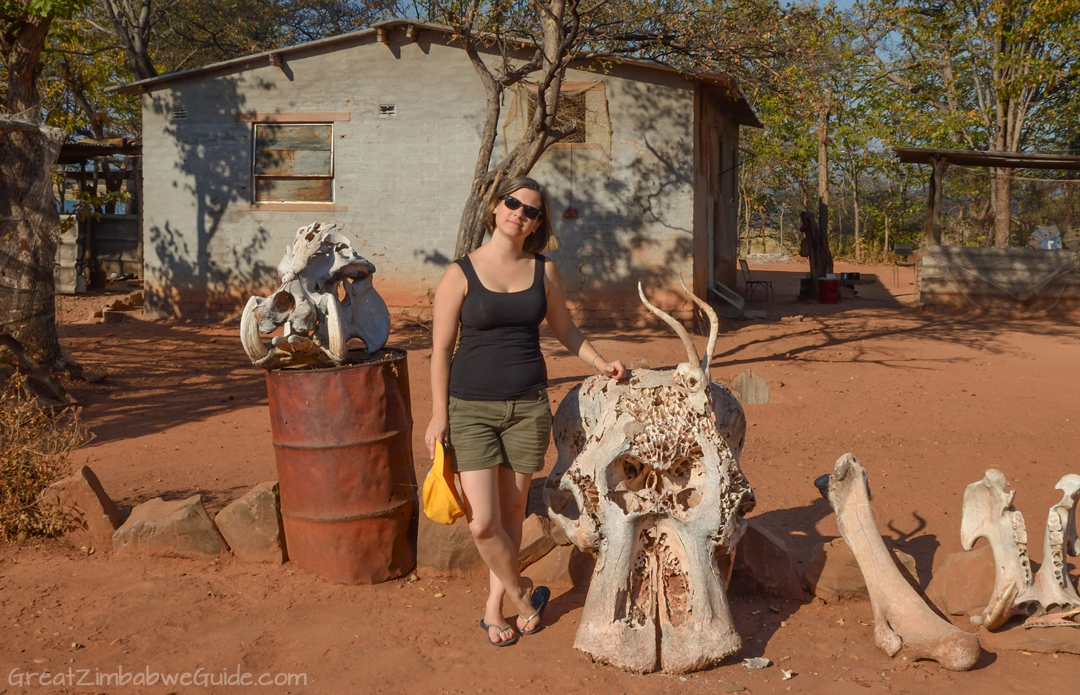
118	305
750	388
833	570
964	583
110	316
1046	640
94	375
536	540
252	526
565	566
96	314
762	561
137	299
447	551
181	528
82	499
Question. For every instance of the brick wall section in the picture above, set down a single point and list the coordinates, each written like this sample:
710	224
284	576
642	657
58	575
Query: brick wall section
404	179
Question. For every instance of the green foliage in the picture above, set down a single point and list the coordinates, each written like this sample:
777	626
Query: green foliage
57	9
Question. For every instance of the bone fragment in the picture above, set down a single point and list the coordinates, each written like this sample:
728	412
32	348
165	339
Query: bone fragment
902	620
988	513
1052	590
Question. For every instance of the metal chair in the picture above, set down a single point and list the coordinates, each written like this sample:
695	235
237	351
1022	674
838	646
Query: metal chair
748	291
907	251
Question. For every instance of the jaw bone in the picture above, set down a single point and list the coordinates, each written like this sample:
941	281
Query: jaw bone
1053	592
988	513
1050	599
902	620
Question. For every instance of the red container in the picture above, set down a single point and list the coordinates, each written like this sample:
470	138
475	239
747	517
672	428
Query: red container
829	291
343	442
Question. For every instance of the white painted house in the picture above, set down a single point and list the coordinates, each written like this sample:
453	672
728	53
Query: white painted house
378	131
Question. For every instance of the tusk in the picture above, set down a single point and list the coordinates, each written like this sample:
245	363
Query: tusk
691	351
249	332
335	330
714	326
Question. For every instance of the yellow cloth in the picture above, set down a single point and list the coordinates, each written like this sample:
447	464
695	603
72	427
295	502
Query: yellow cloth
440	496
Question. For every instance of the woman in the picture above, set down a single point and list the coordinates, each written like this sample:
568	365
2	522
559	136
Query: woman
489	400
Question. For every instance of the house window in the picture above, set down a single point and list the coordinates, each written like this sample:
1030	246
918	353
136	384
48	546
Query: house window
572	112
582	104
293	163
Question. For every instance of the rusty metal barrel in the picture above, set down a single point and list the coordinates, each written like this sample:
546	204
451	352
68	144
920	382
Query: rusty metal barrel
343	441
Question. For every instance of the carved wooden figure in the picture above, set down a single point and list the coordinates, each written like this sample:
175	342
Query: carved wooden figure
648	479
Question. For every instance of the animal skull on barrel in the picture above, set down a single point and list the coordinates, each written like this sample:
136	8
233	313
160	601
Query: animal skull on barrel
646	481
326	298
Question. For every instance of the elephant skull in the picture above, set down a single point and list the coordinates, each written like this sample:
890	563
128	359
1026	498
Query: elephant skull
646	481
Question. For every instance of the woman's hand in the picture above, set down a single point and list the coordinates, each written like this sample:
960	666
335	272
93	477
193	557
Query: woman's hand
438	430
616	370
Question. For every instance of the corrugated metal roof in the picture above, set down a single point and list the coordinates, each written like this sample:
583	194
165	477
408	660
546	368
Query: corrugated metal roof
744	112
988	158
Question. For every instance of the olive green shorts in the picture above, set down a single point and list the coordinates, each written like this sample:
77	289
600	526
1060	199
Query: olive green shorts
513	433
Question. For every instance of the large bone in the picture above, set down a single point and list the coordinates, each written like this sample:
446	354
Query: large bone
325	299
902	620
1052	590
988	513
645	480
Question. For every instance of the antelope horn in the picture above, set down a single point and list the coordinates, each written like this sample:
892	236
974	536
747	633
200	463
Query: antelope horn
714	325
691	351
249	332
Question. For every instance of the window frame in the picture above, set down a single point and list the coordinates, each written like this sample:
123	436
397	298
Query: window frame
268	204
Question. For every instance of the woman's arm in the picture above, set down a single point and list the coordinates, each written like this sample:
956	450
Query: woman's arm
562	325
446	315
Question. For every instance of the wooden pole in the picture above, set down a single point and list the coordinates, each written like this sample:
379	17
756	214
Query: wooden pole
932	228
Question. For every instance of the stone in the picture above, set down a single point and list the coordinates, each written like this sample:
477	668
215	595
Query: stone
1046	640
180	528
252	526
137	299
536	540
750	388
447	551
762	561
94	375
93	515
110	316
964	583
833	570
565	567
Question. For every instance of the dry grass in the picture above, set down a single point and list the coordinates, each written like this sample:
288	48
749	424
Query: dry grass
34	446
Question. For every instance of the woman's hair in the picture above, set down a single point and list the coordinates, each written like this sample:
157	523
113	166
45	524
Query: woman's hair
543	238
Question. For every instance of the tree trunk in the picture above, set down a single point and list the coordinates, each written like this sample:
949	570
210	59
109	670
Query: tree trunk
821	262
22	38
551	59
1002	207
29	226
132	27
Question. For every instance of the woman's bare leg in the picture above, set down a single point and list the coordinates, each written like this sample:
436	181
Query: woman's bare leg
513	501
483	512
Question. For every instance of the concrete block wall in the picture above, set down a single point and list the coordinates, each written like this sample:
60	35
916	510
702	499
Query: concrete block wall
403	180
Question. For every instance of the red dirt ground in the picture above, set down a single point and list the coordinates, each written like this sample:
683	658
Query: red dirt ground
927	402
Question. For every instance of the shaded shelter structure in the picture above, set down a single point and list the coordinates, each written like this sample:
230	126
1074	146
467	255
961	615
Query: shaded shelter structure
107	238
991	278
378	131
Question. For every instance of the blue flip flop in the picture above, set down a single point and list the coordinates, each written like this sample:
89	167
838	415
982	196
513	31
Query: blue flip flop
540	597
504	643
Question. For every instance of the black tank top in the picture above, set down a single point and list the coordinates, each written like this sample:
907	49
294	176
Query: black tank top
498	357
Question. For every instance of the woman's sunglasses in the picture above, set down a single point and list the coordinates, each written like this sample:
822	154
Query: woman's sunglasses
513	203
